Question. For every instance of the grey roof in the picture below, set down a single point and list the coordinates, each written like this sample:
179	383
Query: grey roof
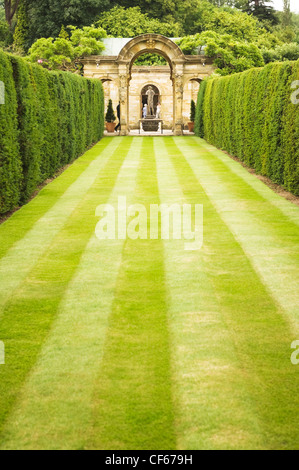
113	46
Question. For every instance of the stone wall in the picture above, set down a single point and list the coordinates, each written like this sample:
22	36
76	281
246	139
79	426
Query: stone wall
160	77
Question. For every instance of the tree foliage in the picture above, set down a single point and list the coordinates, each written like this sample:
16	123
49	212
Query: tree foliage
287	15
192	111
110	116
150	60
10	8
172	18
230	55
64	53
161	9
46	17
261	10
6	37
21	39
127	23
281	53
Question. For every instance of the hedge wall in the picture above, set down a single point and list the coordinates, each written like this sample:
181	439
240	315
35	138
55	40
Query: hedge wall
48	120
251	116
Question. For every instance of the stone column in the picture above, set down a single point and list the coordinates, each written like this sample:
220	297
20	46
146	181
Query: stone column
178	96
124	99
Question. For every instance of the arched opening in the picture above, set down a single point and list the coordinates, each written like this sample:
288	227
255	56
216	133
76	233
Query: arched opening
111	91
122	67
191	90
150	70
152	44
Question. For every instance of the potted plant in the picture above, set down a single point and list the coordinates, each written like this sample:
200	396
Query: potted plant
110	118
192	116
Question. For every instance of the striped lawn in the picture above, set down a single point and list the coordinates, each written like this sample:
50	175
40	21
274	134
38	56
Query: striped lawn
140	344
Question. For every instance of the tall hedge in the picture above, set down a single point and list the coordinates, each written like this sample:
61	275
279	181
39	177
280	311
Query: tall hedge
10	159
48	119
251	115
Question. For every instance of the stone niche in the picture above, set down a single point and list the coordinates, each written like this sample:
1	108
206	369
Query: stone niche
160	78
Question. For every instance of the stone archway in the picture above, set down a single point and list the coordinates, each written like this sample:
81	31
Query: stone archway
191	90
152	43
119	69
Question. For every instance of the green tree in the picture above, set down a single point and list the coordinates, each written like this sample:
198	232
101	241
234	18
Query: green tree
199	15
63	33
110	116
261	10
48	16
281	53
288	28
21	42
150	60
126	23
287	16
193	15
295	25
6	37
162	9
192	111
230	55
64	53
10	8
2	13
235	23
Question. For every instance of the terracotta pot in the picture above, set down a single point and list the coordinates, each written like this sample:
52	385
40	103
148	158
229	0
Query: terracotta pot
191	126
110	126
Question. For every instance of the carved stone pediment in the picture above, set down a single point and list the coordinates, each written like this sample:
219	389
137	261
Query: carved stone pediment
151	44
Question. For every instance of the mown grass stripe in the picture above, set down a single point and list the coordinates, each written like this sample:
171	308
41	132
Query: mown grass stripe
21	258
56	400
257	325
22	221
28	317
213	409
269	238
133	399
282	208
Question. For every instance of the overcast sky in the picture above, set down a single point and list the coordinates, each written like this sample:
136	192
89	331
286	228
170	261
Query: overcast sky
278	4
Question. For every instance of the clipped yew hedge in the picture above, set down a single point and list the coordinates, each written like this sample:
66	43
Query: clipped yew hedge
47	121
251	116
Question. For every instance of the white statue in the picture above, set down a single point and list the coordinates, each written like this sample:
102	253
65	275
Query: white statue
144	111
158	112
150	101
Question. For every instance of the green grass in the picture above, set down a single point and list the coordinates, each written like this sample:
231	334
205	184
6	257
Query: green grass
140	344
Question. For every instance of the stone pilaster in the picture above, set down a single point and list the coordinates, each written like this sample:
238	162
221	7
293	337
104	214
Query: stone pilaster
124	99
178	88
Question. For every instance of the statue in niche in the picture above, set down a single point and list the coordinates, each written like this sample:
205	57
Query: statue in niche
150	101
